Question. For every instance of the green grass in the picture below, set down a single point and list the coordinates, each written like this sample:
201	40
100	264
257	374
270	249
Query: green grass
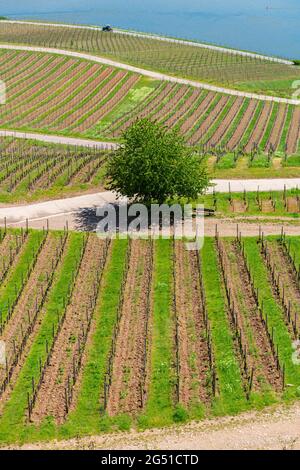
87	415
274	312
231	398
13	283
12	423
224	208
160	404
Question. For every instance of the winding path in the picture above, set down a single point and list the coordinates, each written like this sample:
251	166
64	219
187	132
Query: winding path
149	73
56	139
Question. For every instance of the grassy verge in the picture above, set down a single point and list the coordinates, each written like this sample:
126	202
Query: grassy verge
160	404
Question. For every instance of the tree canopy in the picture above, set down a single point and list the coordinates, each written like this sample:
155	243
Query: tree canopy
155	165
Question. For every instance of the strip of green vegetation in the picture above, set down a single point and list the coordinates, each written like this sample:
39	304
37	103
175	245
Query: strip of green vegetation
273	311
252	124
160	404
218	121
286	128
86	417
136	95
12	423
230	398
13	283
270	126
235	122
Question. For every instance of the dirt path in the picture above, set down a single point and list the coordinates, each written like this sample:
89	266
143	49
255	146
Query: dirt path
192	344
273	429
127	388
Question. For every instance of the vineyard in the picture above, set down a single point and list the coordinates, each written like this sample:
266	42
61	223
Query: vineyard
258	203
226	68
30	170
55	94
101	335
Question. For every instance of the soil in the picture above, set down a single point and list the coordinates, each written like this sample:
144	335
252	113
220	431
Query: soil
192	344
225	124
51	396
242	126
262	360
260	126
288	278
127	388
293	135
199	111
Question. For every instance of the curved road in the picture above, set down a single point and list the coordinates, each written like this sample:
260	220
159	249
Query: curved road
57	139
150	73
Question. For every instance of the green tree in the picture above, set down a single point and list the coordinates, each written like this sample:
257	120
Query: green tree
155	165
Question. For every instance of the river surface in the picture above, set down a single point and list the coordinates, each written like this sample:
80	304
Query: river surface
265	26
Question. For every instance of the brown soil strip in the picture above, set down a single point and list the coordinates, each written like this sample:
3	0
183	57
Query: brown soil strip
202	108
242	126
184	108
277	130
192	344
28	88
125	391
151	107
51	396
51	91
205	126
259	355
107	107
293	205
267	206
227	121
84	94
288	278
13	332
238	206
260	127
172	103
293	135
91	100
56	104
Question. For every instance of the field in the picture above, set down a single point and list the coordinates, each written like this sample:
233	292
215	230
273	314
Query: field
31	171
229	69
275	204
55	94
142	333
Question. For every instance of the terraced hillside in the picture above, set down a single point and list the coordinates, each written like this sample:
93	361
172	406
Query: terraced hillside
228	68
100	335
30	170
56	94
